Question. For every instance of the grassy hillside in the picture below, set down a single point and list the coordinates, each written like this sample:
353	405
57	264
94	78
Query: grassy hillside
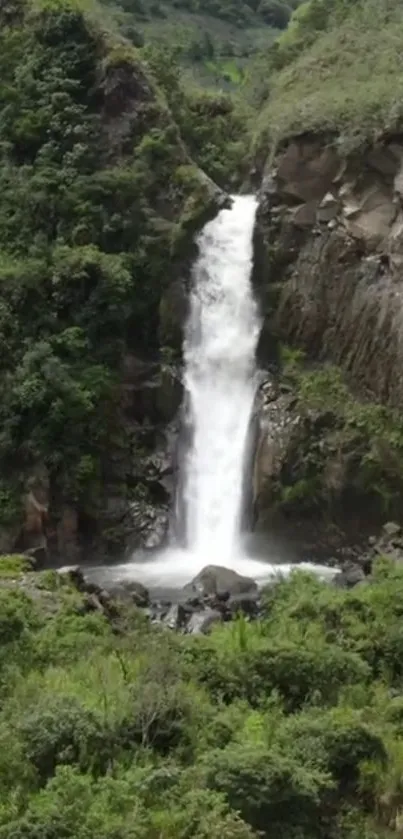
339	69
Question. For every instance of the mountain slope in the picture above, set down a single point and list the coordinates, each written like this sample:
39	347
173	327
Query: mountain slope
338	69
98	202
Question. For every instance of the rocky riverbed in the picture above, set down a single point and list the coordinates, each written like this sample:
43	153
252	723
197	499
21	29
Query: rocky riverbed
220	594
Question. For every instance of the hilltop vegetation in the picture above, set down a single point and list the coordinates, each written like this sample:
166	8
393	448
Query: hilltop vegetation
337	69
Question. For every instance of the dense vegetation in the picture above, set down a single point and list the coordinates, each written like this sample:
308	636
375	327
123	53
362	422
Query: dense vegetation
337	68
96	191
214	40
349	454
288	727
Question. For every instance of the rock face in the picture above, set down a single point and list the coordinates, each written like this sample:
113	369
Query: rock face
311	485
332	281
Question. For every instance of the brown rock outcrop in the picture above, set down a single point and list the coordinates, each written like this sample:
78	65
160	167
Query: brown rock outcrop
333	277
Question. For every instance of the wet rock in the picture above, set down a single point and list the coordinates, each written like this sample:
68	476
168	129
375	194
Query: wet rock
351	575
39	555
156	399
133	592
214	579
67	534
33	534
201	623
176	617
138	593
247	604
391	529
144	526
74	575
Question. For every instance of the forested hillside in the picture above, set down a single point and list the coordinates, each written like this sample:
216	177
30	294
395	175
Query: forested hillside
123	126
214	42
99	199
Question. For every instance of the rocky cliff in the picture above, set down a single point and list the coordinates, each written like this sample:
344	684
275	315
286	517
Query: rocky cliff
330	278
334	234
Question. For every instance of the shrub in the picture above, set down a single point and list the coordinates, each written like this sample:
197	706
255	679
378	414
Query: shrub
271	791
63	732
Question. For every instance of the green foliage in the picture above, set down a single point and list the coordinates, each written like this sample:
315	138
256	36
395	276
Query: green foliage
89	210
14	565
271	791
289	726
358	440
211	124
334	70
62	732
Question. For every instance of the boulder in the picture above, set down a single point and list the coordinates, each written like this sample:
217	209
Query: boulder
134	592
328	208
214	579
306	171
305	214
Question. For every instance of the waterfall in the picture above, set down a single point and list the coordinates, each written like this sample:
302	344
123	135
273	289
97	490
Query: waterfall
220	384
219	377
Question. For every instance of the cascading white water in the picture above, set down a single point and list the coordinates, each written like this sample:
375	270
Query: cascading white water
219	354
219	377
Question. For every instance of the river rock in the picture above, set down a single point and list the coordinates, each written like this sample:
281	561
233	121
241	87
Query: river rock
391	529
214	579
247	604
201	623
134	592
351	575
74	575
176	617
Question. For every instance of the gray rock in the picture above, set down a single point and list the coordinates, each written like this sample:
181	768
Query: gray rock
248	604
391	529
213	579
200	623
131	591
176	617
350	576
74	575
138	593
